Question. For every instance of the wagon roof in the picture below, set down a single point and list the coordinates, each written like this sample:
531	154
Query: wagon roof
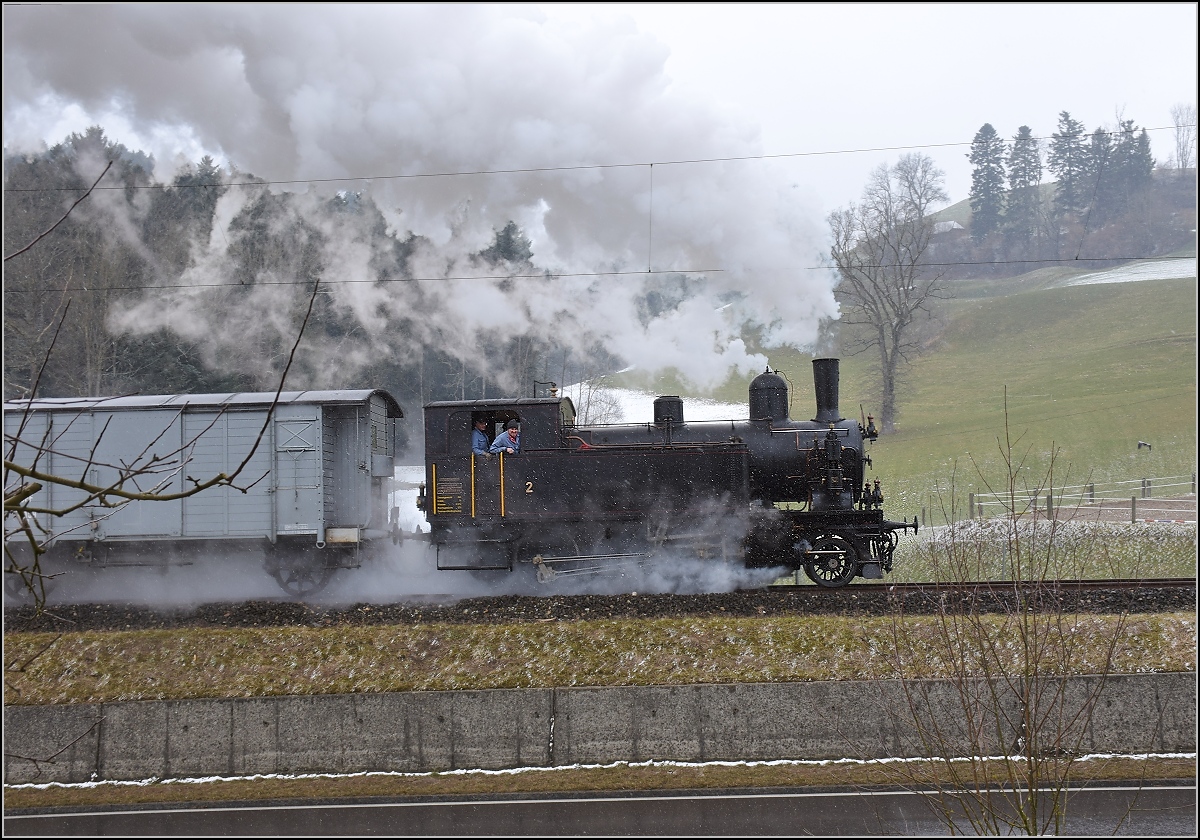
194	401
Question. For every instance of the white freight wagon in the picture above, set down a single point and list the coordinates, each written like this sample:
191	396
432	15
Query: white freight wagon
312	496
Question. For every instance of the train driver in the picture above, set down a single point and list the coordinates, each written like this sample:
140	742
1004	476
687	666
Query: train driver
479	437
510	441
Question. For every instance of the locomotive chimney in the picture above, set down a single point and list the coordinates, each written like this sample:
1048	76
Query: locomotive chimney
825	380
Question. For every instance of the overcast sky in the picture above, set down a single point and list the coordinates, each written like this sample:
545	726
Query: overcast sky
837	77
790	105
792	79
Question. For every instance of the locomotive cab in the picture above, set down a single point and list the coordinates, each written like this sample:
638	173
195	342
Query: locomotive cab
473	500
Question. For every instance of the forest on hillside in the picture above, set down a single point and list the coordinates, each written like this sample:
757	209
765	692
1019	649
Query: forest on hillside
146	288
1109	200
200	285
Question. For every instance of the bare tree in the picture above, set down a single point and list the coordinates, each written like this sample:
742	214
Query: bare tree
147	477
31	311
878	247
1184	118
1001	759
597	403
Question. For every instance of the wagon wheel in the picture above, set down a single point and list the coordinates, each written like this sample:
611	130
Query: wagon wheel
301	575
834	562
299	581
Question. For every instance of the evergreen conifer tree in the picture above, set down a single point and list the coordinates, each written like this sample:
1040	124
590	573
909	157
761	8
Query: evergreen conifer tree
1024	179
987	182
1143	161
1132	159
509	245
1101	178
1068	161
1120	167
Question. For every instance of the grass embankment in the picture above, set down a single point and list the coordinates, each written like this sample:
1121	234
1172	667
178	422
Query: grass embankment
1021	548
95	667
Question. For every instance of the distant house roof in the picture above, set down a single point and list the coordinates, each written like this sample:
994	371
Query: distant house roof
946	227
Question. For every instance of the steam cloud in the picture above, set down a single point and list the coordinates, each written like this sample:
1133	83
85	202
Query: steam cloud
404	573
291	93
408	572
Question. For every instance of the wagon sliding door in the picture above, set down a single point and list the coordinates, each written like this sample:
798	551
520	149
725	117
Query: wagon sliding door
217	442
299	507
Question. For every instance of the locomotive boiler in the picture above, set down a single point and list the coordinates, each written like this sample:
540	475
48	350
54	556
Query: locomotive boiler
769	491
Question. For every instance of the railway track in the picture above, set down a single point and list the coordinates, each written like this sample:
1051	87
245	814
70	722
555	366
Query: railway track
1034	586
1093	596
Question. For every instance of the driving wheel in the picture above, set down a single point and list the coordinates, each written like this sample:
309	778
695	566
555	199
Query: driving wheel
831	562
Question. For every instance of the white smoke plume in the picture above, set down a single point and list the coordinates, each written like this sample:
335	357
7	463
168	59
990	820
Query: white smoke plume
299	93
407	573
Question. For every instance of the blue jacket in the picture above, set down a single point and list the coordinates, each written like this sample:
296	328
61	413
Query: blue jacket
479	442
502	443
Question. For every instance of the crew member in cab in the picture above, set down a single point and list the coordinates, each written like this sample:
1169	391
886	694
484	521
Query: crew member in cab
479	437
510	441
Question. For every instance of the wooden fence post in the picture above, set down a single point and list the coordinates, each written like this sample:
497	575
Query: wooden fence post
1133	509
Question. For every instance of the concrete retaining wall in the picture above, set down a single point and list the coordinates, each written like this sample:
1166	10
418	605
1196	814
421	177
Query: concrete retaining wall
429	731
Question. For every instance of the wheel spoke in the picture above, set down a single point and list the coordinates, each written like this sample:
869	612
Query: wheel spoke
301	577
834	562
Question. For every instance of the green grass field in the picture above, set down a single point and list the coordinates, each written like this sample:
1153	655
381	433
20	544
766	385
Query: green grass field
1081	373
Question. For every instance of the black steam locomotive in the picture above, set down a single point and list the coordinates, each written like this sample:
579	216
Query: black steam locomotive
769	491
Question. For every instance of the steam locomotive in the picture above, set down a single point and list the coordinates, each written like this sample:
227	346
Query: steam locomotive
768	491
315	493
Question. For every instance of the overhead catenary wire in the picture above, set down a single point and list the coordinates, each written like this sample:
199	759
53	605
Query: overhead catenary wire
548	274
557	275
545	275
257	182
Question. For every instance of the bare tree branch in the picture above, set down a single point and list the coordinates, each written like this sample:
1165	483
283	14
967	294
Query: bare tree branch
1184	118
22	481
50	229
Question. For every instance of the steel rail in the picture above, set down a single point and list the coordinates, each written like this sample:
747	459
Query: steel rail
1049	585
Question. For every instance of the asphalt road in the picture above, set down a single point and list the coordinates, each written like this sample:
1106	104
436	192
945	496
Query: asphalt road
1130	810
